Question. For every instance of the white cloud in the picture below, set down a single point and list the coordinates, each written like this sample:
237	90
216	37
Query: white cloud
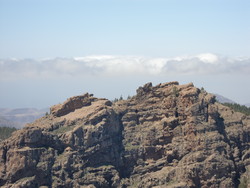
121	65
208	58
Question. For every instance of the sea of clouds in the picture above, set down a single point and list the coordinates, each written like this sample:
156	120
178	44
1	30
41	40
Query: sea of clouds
121	65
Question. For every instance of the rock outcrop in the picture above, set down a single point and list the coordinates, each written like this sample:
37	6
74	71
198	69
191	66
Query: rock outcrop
168	135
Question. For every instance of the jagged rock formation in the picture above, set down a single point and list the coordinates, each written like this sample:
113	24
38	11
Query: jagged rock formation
169	135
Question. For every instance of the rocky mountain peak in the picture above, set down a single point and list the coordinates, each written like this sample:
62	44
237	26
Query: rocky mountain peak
72	104
168	135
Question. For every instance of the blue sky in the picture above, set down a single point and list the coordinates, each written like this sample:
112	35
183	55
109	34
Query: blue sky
66	28
128	31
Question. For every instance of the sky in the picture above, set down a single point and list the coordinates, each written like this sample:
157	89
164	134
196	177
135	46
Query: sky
51	50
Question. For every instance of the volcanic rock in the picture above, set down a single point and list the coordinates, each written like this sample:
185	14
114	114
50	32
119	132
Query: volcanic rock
168	135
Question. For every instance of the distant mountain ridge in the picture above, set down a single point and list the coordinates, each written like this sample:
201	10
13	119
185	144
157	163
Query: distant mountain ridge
18	117
7	123
248	104
223	99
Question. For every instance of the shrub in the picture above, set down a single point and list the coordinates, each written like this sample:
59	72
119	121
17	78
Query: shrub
5	132
238	108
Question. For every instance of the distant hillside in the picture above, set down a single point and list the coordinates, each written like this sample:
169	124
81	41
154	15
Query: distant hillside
7	123
20	116
248	104
245	108
223	99
5	132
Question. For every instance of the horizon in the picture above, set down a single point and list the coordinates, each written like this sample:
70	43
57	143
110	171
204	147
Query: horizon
52	50
46	82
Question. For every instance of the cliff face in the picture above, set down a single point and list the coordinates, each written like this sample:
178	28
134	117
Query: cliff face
169	135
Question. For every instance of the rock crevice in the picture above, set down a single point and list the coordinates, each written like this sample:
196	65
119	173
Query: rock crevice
168	135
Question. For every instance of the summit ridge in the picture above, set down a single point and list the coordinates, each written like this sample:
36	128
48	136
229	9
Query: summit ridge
168	135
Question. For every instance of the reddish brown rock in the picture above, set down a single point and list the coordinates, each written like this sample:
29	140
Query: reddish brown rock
72	104
168	135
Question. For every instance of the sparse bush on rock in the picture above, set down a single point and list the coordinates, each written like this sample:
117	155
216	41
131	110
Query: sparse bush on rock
168	135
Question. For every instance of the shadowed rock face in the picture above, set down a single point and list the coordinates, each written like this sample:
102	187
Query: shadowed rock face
168	135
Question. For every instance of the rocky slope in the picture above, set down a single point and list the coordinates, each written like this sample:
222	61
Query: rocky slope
169	135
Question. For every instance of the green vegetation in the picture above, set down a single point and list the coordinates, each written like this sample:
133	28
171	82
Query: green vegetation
116	100
175	91
238	108
63	129
203	90
135	183
129	147
172	182
121	98
5	132
243	182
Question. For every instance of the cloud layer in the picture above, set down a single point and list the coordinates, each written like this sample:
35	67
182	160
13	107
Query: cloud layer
122	65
